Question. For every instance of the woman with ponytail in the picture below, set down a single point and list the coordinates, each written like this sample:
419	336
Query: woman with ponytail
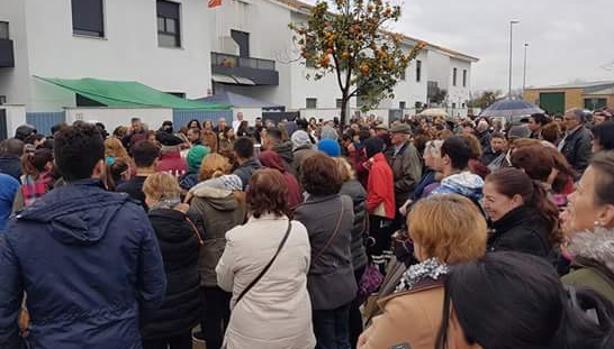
509	300
217	205
523	219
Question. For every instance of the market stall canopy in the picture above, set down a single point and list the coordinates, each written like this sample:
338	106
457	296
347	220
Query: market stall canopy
238	101
511	109
128	94
434	112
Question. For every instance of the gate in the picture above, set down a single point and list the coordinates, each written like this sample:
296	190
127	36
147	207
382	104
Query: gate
181	117
277	116
44	121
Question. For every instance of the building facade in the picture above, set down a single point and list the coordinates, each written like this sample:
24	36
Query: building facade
185	48
158	43
559	98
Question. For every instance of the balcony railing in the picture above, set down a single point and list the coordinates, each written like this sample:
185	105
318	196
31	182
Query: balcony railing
232	61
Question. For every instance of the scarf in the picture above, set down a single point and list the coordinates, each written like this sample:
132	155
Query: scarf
431	269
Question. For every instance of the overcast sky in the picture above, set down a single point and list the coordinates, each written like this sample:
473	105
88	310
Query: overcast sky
568	39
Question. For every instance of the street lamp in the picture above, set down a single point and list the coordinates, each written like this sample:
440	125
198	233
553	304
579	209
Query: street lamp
524	74
512	22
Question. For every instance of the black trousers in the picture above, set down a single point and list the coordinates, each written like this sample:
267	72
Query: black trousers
216	315
180	341
381	231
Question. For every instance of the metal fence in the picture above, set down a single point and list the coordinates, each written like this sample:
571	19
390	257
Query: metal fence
181	117
43	121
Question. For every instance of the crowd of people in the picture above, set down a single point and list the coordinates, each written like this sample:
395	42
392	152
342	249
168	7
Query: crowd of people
422	233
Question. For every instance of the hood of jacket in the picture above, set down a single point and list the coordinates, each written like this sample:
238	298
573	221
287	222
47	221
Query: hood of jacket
284	150
465	183
597	245
219	198
76	214
272	160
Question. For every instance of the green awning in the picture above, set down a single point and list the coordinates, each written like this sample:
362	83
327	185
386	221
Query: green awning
128	94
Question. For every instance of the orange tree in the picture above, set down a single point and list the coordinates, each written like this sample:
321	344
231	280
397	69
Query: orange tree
349	40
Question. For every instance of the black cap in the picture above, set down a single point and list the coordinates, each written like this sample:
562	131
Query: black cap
24	131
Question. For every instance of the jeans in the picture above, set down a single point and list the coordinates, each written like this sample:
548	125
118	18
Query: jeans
180	341
216	315
331	328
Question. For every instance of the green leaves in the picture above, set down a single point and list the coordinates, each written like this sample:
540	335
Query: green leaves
352	43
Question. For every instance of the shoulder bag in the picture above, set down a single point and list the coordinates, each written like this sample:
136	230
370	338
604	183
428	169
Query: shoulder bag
267	267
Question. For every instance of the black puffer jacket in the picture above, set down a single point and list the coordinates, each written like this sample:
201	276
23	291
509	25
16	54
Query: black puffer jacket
357	193
180	247
521	230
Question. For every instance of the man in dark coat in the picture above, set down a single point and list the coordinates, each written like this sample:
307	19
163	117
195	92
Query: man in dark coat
576	145
10	157
87	258
244	150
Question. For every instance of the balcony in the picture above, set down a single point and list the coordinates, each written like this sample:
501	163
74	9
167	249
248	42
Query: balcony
7	59
243	70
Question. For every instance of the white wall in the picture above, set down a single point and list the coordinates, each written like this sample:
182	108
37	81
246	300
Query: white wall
14	81
15	117
113	117
129	50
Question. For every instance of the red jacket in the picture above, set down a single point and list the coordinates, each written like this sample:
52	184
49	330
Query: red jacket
380	186
172	163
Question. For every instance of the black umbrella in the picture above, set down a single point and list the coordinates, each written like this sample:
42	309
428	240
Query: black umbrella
510	109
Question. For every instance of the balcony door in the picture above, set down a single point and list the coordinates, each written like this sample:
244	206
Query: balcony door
242	39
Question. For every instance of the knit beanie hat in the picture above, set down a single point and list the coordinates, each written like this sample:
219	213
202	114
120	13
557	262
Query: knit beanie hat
300	138
329	147
373	146
195	157
329	133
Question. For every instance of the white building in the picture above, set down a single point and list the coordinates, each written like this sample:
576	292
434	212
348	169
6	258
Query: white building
183	47
162	44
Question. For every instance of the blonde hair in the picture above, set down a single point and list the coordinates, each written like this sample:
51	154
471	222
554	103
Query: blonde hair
449	227
114	147
160	186
214	165
345	169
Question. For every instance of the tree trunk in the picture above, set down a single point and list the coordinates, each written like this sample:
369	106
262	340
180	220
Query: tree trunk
344	110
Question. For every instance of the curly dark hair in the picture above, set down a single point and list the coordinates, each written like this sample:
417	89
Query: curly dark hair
77	150
320	176
267	193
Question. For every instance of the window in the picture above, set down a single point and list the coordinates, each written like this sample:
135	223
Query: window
168	24
311	103
454	77
339	103
453	105
595	103
418	71
463	105
242	39
4	30
402	105
87	18
2	100
464	77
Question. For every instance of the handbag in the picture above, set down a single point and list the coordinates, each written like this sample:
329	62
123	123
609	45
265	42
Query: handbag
370	281
267	267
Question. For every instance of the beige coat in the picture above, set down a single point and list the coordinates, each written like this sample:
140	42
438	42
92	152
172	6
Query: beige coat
412	317
276	312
